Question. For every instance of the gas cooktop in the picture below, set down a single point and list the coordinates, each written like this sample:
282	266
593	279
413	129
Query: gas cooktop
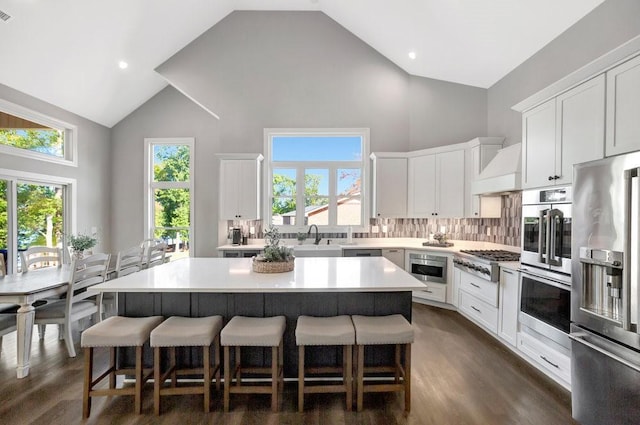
493	254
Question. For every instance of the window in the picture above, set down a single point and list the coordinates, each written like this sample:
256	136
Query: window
34	210
29	134
168	194
317	177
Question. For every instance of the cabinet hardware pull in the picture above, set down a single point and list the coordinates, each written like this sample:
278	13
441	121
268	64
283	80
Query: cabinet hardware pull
507	271
550	178
428	291
476	309
474	285
551	363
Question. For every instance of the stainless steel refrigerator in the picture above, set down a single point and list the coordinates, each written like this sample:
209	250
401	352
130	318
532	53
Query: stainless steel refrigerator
605	338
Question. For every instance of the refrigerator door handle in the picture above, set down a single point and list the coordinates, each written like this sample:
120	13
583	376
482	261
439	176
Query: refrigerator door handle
579	338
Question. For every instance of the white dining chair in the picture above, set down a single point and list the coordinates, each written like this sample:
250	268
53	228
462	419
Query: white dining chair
156	255
36	257
80	302
129	261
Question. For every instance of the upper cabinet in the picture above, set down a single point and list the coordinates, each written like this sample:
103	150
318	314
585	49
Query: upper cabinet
239	190
623	108
436	184
389	177
479	153
563	131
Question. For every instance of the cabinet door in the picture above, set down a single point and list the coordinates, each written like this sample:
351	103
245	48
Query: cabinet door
509	308
539	145
422	182
450	184
580	134
229	194
390	175
249	190
623	108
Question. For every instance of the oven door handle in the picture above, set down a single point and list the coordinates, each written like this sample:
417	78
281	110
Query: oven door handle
544	279
543	223
627	260
555	216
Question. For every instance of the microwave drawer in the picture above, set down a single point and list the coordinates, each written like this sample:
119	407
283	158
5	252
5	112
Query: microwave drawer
485	290
432	291
479	311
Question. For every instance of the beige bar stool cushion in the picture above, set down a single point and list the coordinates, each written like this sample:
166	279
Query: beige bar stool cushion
186	331
118	331
336	330
253	331
379	330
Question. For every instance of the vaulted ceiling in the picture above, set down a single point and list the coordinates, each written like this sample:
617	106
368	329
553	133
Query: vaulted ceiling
67	52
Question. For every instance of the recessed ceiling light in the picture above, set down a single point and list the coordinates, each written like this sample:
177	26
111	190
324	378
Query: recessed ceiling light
123	64
412	55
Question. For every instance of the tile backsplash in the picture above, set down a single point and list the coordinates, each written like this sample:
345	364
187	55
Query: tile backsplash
504	230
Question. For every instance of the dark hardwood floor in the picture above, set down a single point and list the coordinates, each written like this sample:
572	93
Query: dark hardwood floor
460	376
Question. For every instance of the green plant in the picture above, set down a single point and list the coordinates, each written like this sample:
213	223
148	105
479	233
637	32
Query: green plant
273	252
82	242
301	236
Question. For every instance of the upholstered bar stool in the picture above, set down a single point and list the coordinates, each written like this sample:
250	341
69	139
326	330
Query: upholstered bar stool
114	332
244	331
325	331
384	330
186	332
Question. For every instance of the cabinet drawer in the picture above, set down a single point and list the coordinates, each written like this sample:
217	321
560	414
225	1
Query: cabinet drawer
483	289
432	291
479	311
550	360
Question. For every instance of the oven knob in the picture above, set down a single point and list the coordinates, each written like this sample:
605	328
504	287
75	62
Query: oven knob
486	271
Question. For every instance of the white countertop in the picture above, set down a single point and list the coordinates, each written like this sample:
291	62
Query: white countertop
364	243
234	275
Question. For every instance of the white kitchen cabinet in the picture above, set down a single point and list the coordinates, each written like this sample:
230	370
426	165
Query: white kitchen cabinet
455	287
623	108
395	255
240	187
563	131
509	297
436	184
555	364
476	158
389	177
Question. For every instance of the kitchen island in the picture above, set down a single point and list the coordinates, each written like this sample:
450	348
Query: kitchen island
321	286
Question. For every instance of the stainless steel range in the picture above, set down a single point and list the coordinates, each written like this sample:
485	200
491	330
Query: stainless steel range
483	263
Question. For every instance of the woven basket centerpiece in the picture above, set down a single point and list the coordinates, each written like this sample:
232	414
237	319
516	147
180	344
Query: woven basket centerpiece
276	258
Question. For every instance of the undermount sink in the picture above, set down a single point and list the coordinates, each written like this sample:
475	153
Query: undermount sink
317	251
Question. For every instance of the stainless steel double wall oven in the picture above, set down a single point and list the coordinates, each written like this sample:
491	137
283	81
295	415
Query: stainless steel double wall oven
545	301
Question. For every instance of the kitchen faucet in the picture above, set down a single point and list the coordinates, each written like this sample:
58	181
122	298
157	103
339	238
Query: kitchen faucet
317	240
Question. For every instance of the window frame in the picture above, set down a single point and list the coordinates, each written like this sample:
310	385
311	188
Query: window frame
69	207
70	147
333	166
150	186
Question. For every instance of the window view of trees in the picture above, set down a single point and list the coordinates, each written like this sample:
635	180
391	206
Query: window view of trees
172	200
40	218
24	134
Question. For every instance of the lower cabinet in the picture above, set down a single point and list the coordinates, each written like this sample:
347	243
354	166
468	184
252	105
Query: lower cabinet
395	255
509	296
478	311
433	292
552	362
240	253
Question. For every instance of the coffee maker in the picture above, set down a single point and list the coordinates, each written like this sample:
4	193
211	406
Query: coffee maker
236	236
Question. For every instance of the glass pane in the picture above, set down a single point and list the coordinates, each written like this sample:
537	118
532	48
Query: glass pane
39	209
349	211
284	182
317	148
171	208
171	163
316	211
349	181
24	134
177	241
283	211
316	182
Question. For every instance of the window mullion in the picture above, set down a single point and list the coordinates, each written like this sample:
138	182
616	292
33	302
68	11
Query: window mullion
333	199
300	195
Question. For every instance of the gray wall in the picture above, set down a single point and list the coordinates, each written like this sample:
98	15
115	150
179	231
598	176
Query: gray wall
279	69
93	173
167	114
605	28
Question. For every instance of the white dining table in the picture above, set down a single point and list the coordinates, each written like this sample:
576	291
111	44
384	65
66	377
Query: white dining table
24	289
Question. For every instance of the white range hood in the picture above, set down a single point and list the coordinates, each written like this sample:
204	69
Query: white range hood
502	174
